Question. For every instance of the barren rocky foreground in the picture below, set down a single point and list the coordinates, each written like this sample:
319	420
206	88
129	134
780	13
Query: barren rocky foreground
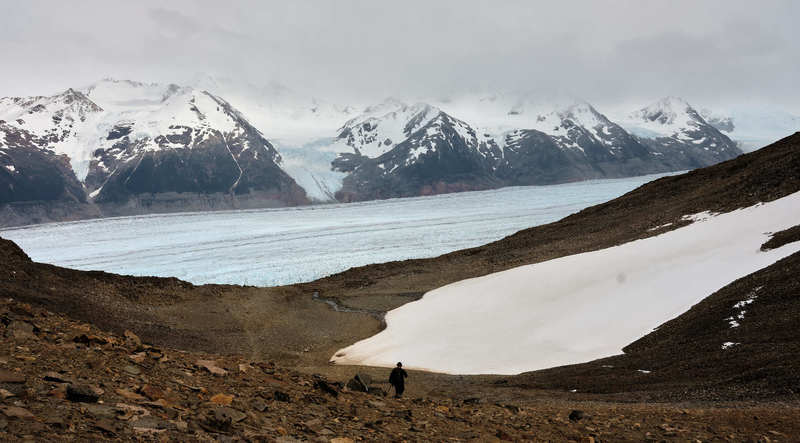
68	380
226	362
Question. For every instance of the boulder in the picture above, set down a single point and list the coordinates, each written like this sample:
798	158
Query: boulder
82	393
359	383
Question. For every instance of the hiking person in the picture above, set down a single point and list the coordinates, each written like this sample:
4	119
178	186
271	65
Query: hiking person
398	380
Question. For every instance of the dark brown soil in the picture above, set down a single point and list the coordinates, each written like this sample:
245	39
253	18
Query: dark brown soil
62	380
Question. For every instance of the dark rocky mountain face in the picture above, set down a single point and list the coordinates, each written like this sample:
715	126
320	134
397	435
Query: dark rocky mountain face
576	143
37	185
442	156
29	173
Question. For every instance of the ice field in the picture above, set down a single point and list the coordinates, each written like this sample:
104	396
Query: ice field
289	245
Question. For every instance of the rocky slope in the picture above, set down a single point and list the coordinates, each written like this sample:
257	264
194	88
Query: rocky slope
62	379
36	184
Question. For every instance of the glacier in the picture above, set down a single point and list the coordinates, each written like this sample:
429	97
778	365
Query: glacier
268	247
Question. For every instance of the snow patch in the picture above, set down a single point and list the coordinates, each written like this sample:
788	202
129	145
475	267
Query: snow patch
569	310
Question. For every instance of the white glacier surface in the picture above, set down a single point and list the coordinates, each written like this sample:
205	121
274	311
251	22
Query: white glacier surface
289	245
576	308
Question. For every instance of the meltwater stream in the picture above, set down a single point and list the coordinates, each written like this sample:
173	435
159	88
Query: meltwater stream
289	245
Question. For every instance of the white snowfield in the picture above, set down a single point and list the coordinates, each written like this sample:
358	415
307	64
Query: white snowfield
576	308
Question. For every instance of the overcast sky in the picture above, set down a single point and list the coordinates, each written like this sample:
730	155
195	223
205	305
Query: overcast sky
608	52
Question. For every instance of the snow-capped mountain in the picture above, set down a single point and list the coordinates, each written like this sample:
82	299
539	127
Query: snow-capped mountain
61	123
157	147
147	147
440	154
400	150
288	117
161	139
674	130
382	127
573	142
31	173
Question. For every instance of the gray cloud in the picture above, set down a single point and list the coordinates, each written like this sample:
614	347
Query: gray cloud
610	52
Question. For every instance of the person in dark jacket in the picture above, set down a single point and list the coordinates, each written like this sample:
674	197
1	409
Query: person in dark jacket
398	379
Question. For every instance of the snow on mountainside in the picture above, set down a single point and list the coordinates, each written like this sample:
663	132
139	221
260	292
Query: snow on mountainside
288	117
160	139
675	130
561	311
30	173
382	127
438	152
303	128
754	126
62	123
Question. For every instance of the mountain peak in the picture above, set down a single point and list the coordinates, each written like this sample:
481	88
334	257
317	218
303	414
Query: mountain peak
669	110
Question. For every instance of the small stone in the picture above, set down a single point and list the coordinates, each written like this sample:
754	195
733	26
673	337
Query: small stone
132	370
160	403
341	440
359	383
55	377
16	412
152	392
503	435
4	394
21	330
11	377
85	339
82	393
107	427
55	422
132	340
138	357
181	426
258	404
128	395
212	367
326	387
130	411
222	399
576	415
